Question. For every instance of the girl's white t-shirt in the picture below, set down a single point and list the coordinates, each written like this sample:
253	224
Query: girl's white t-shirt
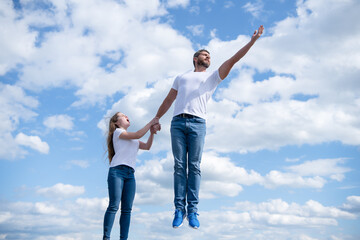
125	150
194	89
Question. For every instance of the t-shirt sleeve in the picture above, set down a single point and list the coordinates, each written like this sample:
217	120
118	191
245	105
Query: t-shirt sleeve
213	81
176	84
118	132
216	76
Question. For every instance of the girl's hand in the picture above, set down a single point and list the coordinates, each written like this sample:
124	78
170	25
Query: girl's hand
155	128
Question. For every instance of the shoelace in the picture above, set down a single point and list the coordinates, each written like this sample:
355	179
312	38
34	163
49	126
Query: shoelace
193	215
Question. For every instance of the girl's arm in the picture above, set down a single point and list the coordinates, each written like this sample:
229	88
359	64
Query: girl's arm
148	144
140	133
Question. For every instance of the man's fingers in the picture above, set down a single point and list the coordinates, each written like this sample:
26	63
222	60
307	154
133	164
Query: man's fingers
261	29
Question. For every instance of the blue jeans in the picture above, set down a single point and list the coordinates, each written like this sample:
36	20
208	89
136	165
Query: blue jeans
187	141
122	187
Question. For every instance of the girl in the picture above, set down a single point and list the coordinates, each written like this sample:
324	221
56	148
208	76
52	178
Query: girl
122	150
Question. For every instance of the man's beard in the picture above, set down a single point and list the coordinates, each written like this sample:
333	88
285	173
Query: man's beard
203	63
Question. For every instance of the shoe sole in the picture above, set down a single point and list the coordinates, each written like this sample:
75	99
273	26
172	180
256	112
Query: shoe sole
180	224
177	226
192	226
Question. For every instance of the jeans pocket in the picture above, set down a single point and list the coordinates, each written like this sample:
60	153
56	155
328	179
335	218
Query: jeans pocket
200	120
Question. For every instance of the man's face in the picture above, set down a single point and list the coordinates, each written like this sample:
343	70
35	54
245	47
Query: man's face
203	59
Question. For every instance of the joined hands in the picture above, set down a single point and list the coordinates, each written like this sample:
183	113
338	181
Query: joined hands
155	126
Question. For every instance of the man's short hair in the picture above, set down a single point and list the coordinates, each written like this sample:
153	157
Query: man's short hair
198	53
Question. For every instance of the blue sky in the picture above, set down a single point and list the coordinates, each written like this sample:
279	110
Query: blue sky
281	158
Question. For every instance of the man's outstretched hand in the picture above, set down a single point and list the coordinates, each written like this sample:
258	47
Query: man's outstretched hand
257	33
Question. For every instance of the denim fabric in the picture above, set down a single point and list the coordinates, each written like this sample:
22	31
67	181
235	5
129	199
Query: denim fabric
187	140
122	187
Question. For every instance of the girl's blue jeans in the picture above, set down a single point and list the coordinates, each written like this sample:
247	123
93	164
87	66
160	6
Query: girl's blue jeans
122	187
187	141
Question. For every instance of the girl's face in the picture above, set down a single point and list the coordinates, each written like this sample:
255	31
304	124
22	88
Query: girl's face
122	121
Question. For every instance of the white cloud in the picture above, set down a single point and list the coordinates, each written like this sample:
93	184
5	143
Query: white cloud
292	159
301	60
213	33
61	121
222	177
305	237
229	4
317	209
10	149
49	209
16	40
196	30
255	8
4	216
177	3
276	179
61	190
141	107
155	174
15	106
300	123
308	174
79	163
33	142
79	219
194	9
332	116
82	217
99	204
302	57
321	167
277	211
273	219
85	37
353	204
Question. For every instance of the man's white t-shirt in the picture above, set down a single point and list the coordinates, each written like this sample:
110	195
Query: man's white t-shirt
194	89
125	150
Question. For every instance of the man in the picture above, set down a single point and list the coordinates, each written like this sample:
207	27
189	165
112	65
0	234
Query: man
192	90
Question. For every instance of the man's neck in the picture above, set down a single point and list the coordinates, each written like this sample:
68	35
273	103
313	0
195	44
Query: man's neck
200	69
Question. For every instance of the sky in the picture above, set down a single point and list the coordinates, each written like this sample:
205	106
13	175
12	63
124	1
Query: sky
282	152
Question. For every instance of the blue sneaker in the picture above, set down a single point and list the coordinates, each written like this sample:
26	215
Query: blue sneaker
193	221
178	219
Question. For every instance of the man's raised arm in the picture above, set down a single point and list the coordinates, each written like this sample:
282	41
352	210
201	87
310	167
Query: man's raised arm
225	68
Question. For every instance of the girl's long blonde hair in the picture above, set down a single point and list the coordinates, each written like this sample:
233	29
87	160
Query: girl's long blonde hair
109	141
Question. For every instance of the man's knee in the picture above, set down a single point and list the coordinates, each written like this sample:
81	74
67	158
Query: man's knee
113	207
195	168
